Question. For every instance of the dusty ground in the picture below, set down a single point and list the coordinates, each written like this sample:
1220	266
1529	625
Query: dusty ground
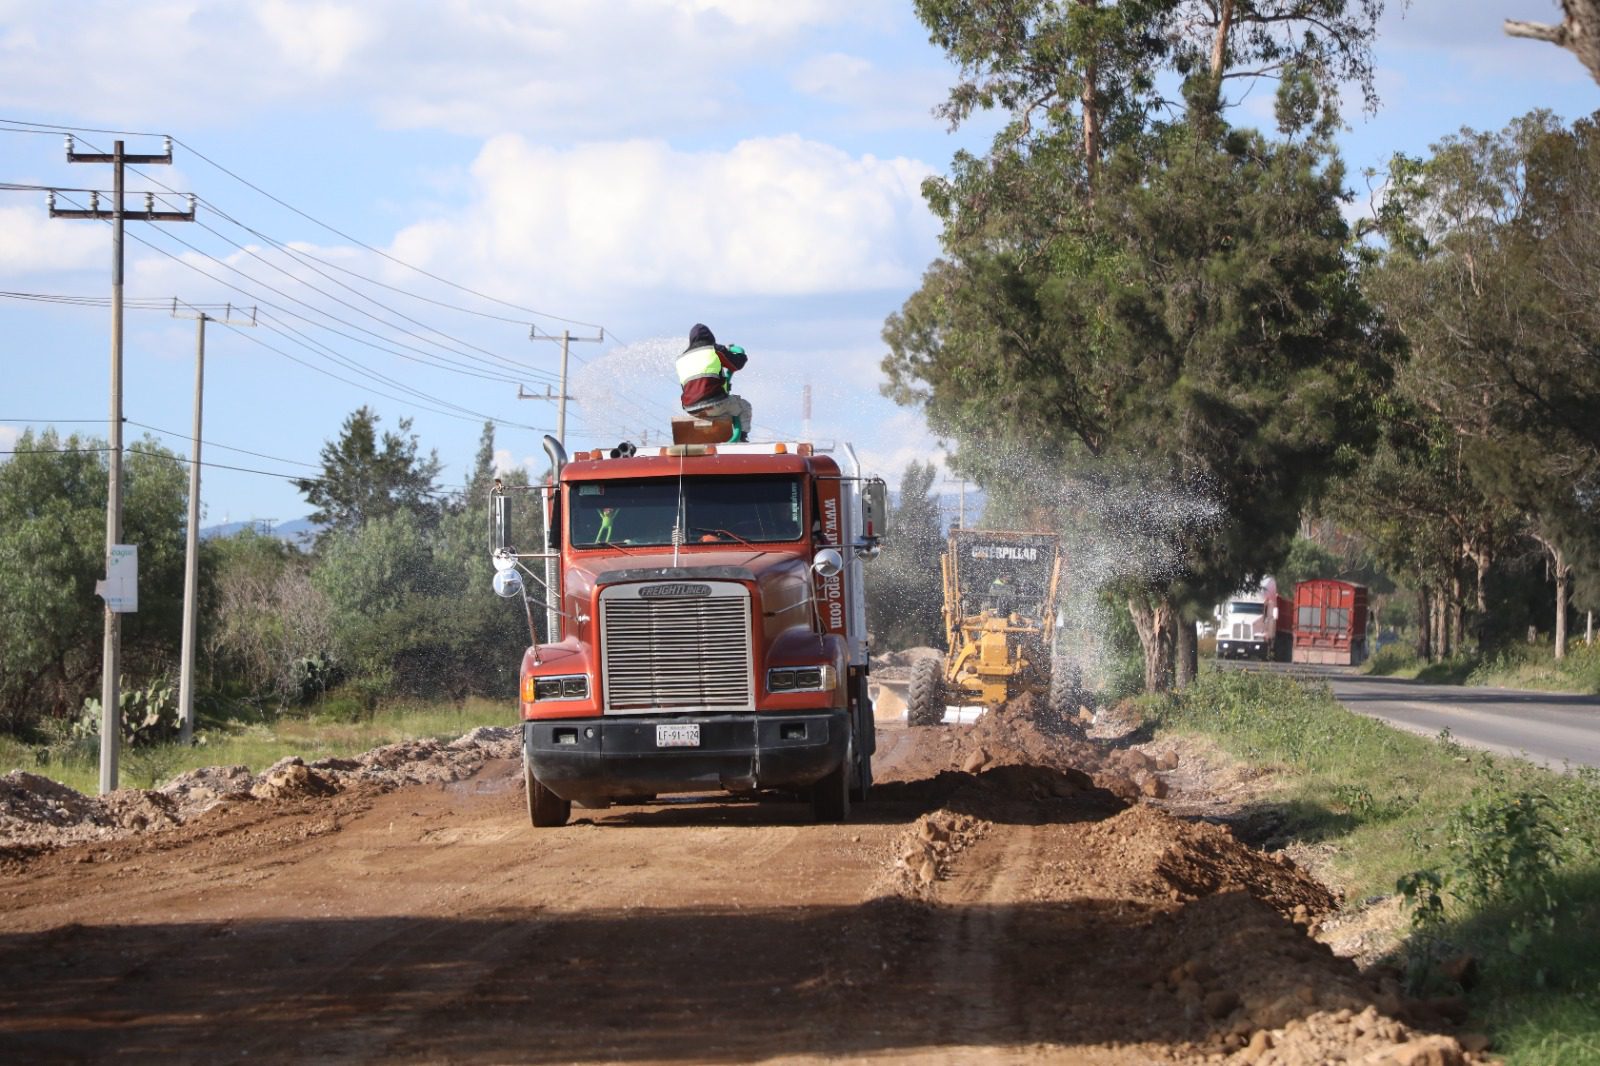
1007	896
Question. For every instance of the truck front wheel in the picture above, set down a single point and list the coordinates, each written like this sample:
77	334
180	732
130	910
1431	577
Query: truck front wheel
830	797
545	809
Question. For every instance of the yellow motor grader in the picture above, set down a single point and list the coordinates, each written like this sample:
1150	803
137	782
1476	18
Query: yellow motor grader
1000	592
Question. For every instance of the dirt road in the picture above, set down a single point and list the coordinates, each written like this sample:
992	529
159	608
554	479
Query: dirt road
992	904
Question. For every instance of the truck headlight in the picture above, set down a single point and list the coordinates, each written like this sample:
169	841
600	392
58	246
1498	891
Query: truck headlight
803	679
555	688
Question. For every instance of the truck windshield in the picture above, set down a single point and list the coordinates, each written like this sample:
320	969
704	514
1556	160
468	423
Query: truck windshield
725	510
1243	607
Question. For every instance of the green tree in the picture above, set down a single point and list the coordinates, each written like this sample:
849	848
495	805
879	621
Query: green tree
904	590
52	551
1489	265
1199	323
364	478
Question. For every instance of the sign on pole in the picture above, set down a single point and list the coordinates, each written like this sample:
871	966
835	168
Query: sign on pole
120	589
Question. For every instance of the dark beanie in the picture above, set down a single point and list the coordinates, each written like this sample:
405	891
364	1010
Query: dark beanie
700	337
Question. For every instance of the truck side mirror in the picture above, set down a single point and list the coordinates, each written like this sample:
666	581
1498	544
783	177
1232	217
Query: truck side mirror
500	533
875	509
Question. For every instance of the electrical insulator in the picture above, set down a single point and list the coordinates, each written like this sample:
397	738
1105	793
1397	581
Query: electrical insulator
191	203
94	201
50	199
70	147
150	201
168	142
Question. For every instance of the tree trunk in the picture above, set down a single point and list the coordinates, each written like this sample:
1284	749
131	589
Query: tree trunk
1579	32
1424	624
1091	114
1152	617
1563	577
1440	629
1457	612
1188	653
1219	44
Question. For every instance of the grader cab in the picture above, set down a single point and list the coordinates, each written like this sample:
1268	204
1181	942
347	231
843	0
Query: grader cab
1000	593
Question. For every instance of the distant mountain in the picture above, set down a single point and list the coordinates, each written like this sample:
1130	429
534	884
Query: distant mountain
297	531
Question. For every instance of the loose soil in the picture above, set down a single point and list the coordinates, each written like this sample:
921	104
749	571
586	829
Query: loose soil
1011	893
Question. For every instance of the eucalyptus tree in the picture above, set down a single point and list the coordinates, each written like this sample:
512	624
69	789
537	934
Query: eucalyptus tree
1129	280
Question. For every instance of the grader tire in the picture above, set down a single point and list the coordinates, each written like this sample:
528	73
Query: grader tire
925	694
1066	696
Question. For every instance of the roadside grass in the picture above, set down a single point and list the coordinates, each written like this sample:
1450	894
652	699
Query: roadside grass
1496	858
334	730
1526	666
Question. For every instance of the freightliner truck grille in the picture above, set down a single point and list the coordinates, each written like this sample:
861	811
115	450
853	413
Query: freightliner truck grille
676	646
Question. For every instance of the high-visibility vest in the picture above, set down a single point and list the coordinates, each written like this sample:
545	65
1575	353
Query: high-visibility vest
699	363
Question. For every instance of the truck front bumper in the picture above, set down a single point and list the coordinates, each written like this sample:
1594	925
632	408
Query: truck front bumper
595	760
1242	649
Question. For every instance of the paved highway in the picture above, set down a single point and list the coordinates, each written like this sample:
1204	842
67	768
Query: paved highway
1546	727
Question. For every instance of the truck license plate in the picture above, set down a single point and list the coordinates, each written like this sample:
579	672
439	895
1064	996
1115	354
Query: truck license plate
678	736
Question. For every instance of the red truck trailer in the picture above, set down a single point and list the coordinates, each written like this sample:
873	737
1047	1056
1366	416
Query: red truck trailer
707	625
1330	622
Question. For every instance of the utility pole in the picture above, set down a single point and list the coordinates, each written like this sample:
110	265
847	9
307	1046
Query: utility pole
566	338
191	551
962	521
110	684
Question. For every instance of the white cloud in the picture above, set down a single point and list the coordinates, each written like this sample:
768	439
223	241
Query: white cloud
320	38
628	66
8	440
770	216
873	96
31	242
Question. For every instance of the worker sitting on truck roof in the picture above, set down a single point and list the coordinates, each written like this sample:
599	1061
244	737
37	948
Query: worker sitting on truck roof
704	370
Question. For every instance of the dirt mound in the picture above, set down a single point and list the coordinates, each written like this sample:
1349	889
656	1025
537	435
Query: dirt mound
290	779
1022	733
1150	854
38	812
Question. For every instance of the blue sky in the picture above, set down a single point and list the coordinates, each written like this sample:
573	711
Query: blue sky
636	164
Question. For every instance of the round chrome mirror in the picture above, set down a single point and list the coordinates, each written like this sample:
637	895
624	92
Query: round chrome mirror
508	583
828	562
869	552
504	559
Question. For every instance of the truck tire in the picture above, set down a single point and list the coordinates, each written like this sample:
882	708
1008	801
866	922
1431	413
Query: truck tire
830	797
925	694
1066	696
545	809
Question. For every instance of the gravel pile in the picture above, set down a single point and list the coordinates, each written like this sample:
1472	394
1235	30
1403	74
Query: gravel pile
38	812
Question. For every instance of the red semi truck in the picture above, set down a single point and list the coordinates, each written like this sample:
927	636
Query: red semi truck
707	624
1330	622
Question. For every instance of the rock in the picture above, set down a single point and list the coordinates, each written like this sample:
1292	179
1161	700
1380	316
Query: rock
1153	787
291	778
933	832
1260	1043
1461	970
1221	1003
1474	1043
1167	761
929	873
976	761
1133	760
1423	1051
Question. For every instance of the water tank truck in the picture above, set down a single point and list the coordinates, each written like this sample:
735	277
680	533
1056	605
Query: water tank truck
706	624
